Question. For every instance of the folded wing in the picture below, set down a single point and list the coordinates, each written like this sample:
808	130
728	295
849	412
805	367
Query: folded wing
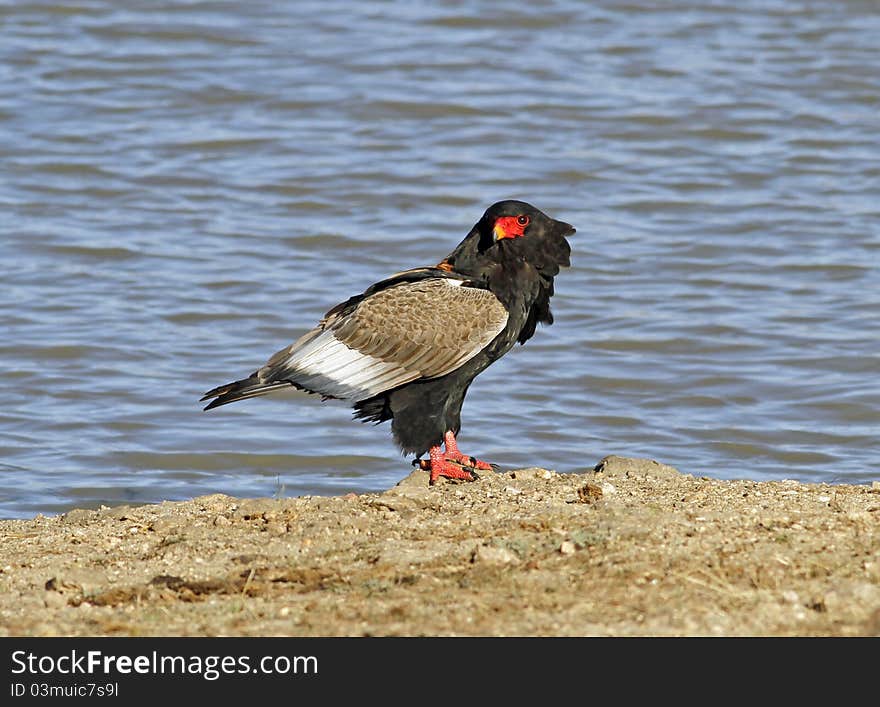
404	332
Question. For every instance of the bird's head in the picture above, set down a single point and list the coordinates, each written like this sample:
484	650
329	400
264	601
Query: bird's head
513	229
520	229
510	220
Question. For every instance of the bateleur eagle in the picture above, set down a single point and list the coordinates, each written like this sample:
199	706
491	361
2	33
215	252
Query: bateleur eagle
408	348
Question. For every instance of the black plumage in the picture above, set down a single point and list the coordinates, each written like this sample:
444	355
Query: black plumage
408	348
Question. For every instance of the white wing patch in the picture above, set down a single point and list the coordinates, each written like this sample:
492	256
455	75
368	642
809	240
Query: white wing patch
328	366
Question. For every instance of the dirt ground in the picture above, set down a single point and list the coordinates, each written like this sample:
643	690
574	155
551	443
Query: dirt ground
633	548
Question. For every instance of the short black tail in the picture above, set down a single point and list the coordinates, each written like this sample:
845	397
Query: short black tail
240	390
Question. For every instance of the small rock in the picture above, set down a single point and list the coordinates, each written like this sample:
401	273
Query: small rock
790	596
823	499
77	581
567	547
221	521
512	490
417	478
116	512
413	486
492	555
533	472
257	509
64	586
164	525
590	492
625	466
60	592
78	516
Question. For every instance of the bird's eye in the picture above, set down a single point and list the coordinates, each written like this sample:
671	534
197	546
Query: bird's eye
523	220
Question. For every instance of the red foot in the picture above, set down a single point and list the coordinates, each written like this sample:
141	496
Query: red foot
452	463
452	452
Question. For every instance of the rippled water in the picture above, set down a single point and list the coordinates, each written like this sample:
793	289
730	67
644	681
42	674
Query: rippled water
186	187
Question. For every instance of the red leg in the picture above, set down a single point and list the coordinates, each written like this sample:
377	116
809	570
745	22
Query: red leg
452	452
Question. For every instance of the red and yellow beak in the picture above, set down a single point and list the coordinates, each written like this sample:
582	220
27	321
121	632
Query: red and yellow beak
509	227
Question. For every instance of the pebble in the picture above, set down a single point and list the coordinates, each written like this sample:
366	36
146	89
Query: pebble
589	492
257	509
165	524
115	512
215	502
493	555
78	516
567	547
790	597
533	472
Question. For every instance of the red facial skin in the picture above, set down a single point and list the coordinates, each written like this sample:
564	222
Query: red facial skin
510	226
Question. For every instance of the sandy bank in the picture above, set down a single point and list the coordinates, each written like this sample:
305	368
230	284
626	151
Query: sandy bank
636	548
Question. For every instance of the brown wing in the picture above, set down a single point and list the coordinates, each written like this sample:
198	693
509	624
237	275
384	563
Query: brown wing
422	329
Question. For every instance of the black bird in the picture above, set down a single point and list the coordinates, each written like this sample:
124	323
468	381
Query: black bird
408	348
